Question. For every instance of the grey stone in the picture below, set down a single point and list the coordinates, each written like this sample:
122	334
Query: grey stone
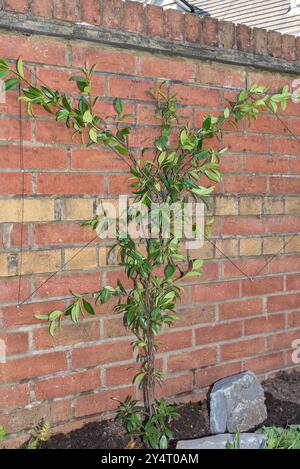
237	403
247	441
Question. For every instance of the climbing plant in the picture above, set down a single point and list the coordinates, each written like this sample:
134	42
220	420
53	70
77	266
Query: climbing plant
156	266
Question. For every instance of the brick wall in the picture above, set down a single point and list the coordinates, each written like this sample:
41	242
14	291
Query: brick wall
228	323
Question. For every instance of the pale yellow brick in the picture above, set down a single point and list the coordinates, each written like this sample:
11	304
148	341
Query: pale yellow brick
108	256
273	205
40	261
81	259
205	252
272	245
292	205
250	206
250	247
293	244
34	210
226	206
77	209
227	247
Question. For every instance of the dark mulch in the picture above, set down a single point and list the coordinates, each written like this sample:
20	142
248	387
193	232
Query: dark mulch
282	400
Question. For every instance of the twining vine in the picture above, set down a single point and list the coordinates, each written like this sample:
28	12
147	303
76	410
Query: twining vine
156	266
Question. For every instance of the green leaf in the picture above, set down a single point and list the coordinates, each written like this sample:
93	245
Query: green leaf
93	135
3	73
119	105
43	317
88	307
3	65
11	83
20	67
197	264
226	113
203	191
163	442
52	328
170	269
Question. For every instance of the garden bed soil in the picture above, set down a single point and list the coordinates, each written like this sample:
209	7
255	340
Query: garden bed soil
282	401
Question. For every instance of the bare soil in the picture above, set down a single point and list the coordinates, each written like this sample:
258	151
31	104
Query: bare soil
282	401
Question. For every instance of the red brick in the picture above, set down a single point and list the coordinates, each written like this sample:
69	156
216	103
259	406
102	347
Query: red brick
173	386
288	47
265	363
12	183
155	20
119	184
69	183
9	289
90	11
134	20
210	31
244	267
245	184
242	308
283	302
285	146
112	14
98	402
286	224
9	129
243	37
11	316
242	225
41	8
34	49
210	375
242	348
66	385
218	333
274	44
293	282
267	164
260	41
70	334
196	96
284	264
279	185
174	25
261	286
221	75
62	284
264	324
65	10
61	234
168	68
193	27
283	340
192	360
199	314
60	80
29	367
15	343
106	60
217	291
103	353
14	396
19	6
174	340
25	418
129	88
121	374
226	34
297	48
294	319
114	327
246	143
144	137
